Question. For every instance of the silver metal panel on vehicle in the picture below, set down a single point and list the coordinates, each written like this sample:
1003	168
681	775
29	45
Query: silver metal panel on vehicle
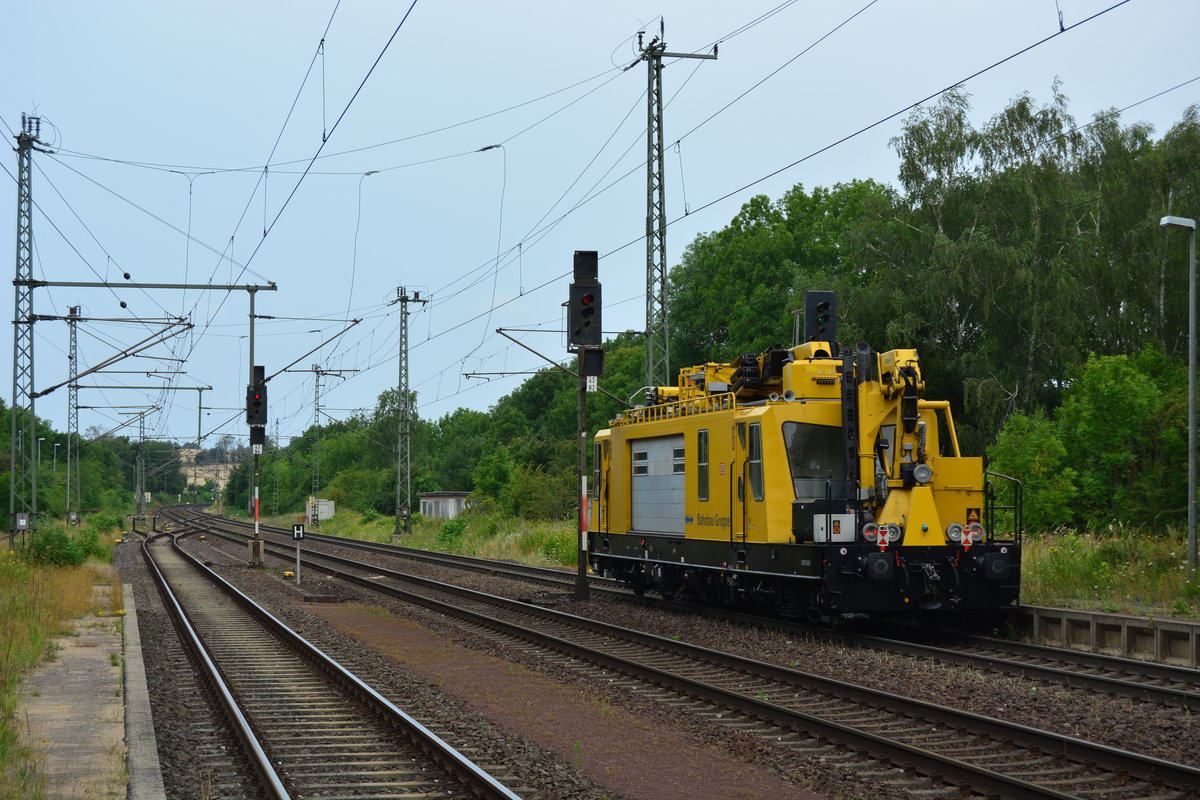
842	524
657	491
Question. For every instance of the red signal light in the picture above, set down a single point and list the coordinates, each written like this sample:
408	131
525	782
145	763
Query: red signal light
583	316
256	405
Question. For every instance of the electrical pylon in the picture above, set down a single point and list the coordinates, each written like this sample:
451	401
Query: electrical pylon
658	366
140	478
316	456
74	492
22	475
275	464
404	413
318	372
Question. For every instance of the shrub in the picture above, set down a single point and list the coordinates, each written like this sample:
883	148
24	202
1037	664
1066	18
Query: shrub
536	493
104	522
452	530
363	490
52	547
556	545
1029	449
1108	423
89	544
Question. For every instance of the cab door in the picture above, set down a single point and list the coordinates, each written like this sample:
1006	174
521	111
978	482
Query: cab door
737	488
598	519
754	506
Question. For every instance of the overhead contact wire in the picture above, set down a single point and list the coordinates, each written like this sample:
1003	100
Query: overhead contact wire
317	154
336	123
881	121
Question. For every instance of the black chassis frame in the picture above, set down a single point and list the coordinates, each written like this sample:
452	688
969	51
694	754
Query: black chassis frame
820	579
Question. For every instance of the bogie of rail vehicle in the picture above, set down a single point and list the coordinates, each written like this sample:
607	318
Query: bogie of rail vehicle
800	479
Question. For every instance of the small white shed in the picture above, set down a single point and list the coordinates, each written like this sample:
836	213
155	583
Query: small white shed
442	505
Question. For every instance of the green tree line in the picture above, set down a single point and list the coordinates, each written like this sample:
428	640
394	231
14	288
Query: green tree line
518	458
1022	257
107	469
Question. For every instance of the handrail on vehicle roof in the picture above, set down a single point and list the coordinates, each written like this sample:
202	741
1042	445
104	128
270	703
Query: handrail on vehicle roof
704	404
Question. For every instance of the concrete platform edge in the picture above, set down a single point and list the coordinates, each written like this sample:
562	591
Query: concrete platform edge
145	775
1148	637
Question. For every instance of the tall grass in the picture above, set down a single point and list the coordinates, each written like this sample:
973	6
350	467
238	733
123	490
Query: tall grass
549	543
546	543
37	602
345	523
1113	569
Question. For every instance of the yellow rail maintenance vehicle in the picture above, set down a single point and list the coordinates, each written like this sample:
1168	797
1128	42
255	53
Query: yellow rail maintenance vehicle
802	480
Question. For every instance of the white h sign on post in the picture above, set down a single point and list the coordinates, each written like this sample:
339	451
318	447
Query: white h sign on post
298	536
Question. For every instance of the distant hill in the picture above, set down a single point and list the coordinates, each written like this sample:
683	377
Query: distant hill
199	474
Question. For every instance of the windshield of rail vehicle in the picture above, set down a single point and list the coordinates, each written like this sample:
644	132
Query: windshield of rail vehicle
816	459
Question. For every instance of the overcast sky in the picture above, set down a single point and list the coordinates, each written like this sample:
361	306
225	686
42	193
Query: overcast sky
170	117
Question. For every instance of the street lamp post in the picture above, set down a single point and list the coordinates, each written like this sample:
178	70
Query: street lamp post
39	452
56	446
1190	226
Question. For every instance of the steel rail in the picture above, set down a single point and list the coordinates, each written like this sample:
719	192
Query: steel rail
484	565
1153	669
212	674
470	774
1066	673
1144	768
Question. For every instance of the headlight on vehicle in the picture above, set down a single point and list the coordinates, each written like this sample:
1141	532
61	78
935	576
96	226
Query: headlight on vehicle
922	474
894	532
955	531
870	532
975	531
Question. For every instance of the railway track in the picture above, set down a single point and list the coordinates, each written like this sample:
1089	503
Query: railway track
912	745
550	577
1166	685
215	766
309	727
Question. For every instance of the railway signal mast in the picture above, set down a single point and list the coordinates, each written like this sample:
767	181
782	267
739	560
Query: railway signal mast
585	338
256	418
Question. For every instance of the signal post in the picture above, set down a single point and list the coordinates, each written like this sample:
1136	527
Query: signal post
256	418
585	339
